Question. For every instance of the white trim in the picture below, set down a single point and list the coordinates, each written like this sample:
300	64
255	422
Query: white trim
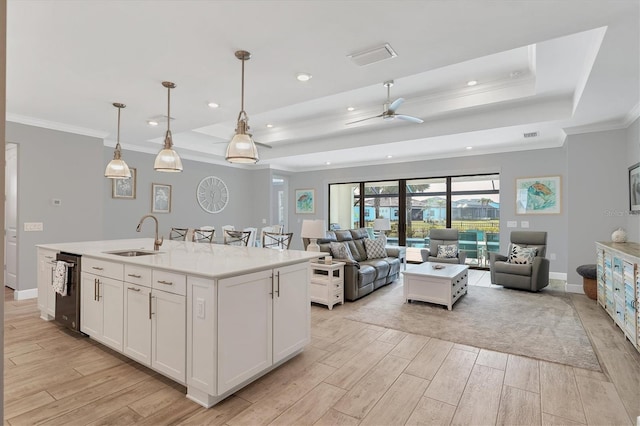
558	276
30	121
31	293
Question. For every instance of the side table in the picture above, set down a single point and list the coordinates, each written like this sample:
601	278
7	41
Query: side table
327	283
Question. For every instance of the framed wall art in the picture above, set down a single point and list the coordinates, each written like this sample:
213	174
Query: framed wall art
124	188
160	198
538	195
305	201
634	188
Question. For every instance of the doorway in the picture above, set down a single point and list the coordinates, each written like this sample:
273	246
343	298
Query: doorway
11	216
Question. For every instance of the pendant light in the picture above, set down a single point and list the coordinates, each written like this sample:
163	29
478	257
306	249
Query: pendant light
117	168
168	159
242	148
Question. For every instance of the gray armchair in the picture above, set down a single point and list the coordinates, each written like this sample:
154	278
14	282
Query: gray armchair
438	237
533	276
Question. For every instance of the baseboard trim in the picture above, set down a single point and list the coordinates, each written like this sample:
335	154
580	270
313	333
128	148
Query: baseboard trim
558	276
573	288
31	293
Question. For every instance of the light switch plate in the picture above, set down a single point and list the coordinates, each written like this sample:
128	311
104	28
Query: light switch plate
33	226
512	224
524	223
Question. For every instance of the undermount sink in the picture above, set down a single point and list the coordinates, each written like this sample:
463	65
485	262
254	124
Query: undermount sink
132	252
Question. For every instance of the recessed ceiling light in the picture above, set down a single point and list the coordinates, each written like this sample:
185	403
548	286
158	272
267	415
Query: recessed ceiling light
472	82
152	122
328	163
213	105
350	108
469	147
389	156
269	126
303	76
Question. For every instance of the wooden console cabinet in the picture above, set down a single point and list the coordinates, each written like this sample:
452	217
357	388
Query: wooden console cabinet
618	275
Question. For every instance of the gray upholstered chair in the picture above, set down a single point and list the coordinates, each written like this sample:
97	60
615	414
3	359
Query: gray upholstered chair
532	276
439	237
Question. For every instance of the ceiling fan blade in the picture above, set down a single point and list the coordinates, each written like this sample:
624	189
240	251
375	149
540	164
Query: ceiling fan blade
395	105
264	145
409	118
364	119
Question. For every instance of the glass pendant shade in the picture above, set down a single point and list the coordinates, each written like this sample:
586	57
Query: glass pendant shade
168	159
117	168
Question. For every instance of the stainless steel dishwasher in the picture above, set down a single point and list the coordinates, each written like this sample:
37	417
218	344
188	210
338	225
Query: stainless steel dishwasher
68	307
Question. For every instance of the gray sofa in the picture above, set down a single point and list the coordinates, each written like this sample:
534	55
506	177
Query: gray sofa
361	276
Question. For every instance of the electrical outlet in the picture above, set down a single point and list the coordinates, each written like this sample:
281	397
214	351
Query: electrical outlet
33	226
552	256
264	221
200	307
512	224
524	224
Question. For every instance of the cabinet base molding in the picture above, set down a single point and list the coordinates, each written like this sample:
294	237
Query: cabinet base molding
208	401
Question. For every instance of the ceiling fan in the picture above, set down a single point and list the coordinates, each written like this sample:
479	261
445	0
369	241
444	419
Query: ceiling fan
390	108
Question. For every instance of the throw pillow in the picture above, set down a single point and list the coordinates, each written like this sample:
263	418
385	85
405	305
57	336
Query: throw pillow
522	255
375	248
448	251
340	251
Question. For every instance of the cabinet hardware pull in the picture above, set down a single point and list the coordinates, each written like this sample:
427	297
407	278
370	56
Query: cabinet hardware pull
97	268
271	293
134	275
95	289
165	282
278	290
49	257
98	289
149	305
133	288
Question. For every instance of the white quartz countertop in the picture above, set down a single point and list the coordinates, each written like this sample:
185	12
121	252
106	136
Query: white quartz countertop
209	260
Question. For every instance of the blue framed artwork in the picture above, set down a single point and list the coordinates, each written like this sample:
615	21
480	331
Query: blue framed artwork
538	195
305	201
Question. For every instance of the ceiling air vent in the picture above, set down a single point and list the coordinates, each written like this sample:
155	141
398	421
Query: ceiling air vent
531	135
374	55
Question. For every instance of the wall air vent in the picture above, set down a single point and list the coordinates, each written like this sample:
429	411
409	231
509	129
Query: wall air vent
373	55
531	135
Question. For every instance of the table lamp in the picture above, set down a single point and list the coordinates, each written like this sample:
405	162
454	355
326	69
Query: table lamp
313	229
382	224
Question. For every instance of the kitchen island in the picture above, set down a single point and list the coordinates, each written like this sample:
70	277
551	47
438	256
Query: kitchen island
209	316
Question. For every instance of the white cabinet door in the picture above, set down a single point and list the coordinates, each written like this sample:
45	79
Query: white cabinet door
168	334
244	327
110	295
137	323
91	309
46	295
291	310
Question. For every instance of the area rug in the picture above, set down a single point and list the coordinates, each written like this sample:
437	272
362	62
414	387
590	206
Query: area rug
542	325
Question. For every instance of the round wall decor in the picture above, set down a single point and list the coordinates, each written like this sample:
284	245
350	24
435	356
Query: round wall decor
212	194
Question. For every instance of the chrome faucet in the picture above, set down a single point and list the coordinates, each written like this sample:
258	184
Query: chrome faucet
158	241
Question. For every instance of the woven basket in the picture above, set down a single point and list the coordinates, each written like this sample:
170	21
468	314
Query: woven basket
590	288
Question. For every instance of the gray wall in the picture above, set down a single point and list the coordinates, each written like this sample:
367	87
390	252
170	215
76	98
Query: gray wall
53	164
633	157
598	193
544	162
248	190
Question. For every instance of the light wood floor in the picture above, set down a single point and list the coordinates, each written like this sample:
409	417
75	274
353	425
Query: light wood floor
352	373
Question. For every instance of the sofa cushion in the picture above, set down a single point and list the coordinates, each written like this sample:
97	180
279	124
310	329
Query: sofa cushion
448	251
375	248
521	255
358	251
512	268
340	251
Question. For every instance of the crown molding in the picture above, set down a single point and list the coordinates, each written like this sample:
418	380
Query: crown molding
52	125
